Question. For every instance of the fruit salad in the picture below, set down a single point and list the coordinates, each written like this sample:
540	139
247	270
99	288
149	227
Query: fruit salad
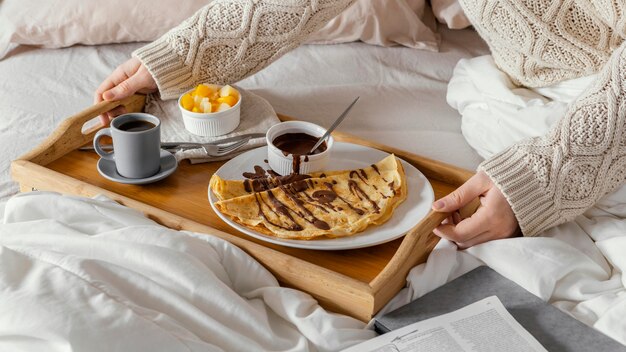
210	98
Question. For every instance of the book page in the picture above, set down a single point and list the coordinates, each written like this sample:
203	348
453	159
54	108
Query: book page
482	326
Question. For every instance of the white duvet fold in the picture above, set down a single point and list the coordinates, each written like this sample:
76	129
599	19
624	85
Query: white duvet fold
88	275
496	113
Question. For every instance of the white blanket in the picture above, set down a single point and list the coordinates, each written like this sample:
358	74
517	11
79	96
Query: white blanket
91	275
576	266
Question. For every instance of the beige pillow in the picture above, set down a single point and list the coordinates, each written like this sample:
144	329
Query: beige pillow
450	13
382	22
62	23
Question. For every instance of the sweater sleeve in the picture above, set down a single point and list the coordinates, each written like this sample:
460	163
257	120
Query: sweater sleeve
229	40
538	43
551	179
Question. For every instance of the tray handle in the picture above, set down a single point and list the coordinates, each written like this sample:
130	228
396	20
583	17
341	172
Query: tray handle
414	242
69	135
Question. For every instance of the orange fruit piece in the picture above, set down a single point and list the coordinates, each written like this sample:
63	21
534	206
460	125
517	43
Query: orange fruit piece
187	101
229	99
203	90
195	109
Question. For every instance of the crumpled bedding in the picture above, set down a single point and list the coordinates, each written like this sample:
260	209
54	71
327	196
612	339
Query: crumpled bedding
577	266
91	275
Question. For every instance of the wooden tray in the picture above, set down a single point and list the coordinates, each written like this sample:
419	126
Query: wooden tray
355	282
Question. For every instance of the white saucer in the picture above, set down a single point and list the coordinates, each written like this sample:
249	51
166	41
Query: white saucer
107	169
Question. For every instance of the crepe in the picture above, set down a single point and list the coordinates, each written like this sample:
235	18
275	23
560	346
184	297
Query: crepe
337	204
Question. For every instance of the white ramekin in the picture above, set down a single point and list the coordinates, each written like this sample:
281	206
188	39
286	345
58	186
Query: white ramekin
284	164
214	123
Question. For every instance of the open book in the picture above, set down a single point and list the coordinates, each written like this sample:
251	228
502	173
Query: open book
482	326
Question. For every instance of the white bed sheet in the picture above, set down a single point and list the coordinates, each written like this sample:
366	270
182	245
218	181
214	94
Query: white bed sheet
402	93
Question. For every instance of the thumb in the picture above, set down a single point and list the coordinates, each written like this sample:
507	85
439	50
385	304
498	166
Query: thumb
124	89
463	195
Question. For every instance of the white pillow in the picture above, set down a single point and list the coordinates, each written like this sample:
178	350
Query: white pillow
62	23
450	13
382	22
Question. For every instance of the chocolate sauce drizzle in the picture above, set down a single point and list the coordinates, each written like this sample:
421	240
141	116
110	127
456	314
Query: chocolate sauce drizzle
391	187
320	224
283	210
356	190
261	180
295	227
259	172
319	206
295	164
355	209
324	196
360	174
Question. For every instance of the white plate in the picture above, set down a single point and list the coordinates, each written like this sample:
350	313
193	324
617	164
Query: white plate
345	156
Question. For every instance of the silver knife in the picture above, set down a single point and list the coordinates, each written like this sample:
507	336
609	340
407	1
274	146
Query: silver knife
188	145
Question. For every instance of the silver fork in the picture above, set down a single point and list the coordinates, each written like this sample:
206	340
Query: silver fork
221	150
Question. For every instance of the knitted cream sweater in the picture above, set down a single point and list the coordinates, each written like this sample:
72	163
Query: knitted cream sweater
229	40
540	42
547	180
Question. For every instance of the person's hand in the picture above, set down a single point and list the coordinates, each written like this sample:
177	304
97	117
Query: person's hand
127	79
493	220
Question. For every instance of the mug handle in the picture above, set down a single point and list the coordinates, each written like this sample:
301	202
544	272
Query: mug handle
96	144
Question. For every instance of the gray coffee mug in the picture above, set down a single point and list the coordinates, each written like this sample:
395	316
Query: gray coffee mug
136	152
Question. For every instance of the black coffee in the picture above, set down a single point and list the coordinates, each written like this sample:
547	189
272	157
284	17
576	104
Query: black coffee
136	126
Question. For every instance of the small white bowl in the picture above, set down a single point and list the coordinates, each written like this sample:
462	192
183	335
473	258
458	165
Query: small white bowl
284	164
214	123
